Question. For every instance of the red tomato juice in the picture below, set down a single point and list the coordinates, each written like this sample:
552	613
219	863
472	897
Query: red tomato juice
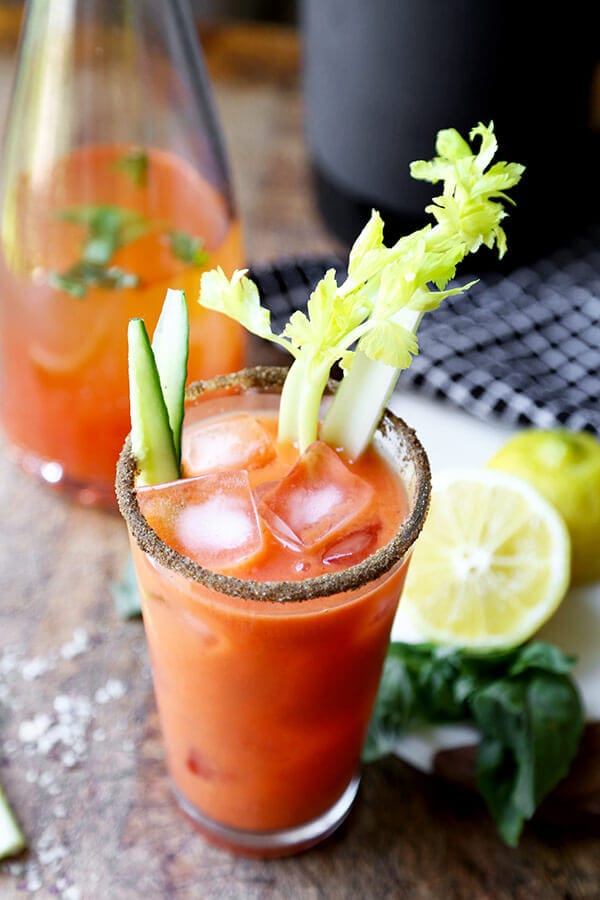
264	705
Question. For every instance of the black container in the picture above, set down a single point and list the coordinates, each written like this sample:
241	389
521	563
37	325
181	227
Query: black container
382	77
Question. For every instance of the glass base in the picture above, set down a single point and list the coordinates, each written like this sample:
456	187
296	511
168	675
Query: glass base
52	474
268	844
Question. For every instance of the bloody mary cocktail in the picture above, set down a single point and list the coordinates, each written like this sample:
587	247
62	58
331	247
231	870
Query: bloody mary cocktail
93	244
271	557
269	582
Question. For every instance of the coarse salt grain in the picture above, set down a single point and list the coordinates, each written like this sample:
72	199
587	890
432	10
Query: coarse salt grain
48	837
32	729
32	879
64	726
78	644
53	854
72	893
112	690
33	882
62	703
69	759
45	779
115	688
35	667
14	868
9	661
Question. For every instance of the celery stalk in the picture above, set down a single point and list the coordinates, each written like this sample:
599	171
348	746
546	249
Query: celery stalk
369	323
290	402
310	405
361	399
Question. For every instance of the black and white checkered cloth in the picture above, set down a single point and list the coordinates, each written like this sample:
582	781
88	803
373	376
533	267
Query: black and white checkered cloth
522	348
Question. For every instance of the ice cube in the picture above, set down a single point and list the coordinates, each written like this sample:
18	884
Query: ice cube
317	501
351	548
233	442
212	518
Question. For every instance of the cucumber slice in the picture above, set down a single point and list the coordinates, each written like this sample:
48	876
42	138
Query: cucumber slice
170	344
12	839
151	436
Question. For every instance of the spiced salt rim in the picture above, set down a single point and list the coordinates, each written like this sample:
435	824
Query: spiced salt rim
262	379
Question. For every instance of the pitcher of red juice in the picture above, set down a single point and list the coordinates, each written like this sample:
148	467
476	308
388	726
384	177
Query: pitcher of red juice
114	187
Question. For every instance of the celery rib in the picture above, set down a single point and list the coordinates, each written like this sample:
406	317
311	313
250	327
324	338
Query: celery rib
362	398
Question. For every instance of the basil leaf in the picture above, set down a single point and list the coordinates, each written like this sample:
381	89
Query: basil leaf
418	685
125	593
523	702
394	707
530	730
540	655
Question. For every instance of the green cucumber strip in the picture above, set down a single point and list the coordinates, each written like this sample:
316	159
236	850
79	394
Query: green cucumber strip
12	839
151	436
170	344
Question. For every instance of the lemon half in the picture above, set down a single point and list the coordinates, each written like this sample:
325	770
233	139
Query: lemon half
491	565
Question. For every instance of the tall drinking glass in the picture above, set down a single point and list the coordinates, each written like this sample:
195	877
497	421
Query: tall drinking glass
264	686
115	186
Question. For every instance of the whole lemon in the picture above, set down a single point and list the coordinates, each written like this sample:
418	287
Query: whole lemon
564	466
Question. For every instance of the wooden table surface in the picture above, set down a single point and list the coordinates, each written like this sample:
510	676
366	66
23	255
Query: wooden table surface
80	753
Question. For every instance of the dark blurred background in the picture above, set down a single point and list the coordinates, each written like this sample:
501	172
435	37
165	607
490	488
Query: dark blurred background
379	78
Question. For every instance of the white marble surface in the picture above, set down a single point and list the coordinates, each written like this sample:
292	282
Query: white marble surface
453	438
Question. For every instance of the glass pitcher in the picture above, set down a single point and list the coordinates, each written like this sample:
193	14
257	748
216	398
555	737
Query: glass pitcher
115	187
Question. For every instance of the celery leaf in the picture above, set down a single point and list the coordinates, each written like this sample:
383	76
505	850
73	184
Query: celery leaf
390	343
375	312
237	298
